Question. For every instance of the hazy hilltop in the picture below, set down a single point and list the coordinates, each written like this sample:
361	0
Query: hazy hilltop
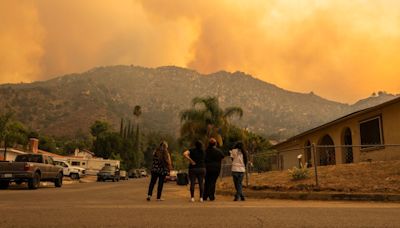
66	105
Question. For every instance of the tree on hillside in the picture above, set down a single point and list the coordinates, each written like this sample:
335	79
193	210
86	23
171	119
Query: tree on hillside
206	119
11	132
99	127
107	145
253	142
256	143
105	142
16	134
5	120
259	153
47	144
232	136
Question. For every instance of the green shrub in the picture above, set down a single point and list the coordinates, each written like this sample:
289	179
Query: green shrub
299	173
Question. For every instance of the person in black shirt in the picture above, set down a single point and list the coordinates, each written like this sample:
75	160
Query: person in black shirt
213	160
197	168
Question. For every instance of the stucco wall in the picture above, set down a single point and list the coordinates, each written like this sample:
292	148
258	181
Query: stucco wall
11	154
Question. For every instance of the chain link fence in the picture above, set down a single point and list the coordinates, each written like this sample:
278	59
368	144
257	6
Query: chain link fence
258	163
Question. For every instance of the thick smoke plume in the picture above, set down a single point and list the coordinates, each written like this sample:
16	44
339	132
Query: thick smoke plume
342	50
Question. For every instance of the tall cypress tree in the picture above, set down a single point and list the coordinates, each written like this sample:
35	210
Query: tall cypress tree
139	156
129	133
121	127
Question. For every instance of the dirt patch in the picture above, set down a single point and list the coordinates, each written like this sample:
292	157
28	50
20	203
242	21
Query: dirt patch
366	177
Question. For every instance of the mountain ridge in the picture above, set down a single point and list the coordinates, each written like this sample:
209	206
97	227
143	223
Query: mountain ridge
67	105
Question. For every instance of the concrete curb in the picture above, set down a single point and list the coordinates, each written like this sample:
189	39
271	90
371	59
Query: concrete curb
317	195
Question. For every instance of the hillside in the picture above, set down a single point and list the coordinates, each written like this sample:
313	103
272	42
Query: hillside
66	105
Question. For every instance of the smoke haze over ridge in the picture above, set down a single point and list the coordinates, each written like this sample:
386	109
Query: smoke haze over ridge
342	50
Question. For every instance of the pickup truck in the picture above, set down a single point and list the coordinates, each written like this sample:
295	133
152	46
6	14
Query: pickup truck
31	168
71	171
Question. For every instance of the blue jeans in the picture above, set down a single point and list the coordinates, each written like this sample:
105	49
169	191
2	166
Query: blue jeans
237	181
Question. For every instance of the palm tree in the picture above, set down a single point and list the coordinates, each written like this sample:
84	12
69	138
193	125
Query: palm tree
206	119
137	111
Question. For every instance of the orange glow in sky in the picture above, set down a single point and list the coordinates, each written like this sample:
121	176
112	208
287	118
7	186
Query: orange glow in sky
339	49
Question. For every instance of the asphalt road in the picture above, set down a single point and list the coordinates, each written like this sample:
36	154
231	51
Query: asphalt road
123	204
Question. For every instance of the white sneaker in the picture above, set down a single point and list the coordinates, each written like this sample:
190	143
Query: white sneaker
191	199
201	200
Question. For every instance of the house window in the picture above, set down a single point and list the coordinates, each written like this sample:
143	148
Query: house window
75	163
371	132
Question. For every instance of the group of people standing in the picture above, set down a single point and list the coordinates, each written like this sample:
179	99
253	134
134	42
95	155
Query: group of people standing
204	168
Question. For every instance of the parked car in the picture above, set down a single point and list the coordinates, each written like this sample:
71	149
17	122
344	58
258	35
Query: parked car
71	171
31	168
172	176
108	173
143	173
134	173
123	175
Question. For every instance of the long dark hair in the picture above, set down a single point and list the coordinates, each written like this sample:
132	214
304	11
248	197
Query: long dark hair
239	145
162	150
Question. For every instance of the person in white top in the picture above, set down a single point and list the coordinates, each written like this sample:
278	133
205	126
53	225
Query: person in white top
239	162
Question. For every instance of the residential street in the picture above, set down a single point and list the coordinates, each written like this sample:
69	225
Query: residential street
123	204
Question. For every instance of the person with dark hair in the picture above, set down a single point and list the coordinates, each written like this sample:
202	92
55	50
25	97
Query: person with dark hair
197	168
160	168
239	162
213	160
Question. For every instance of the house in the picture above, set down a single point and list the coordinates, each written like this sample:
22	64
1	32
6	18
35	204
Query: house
371	134
10	154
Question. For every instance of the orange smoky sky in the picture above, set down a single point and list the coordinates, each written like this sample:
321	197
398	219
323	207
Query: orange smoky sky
342	50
